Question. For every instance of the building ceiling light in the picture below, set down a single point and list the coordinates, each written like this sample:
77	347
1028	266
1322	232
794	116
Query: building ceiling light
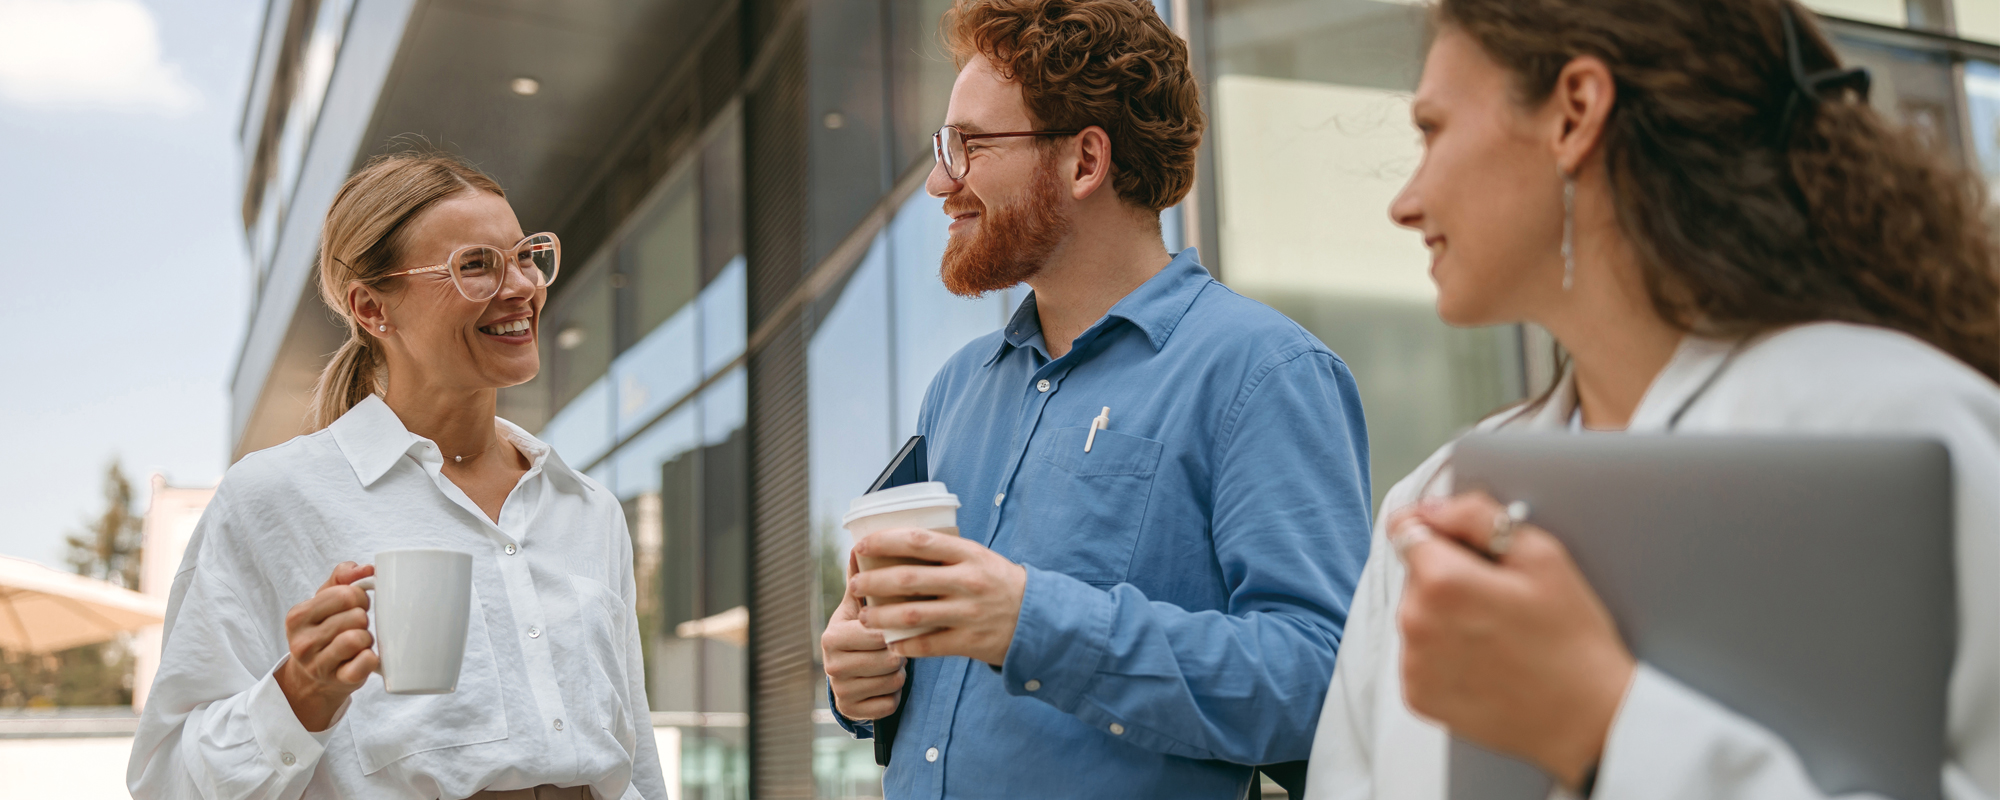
525	86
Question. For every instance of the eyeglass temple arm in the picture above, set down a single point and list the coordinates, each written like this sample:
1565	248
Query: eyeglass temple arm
431	268
966	137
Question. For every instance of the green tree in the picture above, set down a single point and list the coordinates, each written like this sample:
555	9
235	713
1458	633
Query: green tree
106	548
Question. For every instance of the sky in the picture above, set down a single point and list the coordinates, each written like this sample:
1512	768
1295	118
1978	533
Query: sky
126	282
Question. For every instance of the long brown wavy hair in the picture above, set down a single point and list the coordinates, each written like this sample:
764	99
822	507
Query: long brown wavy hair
1746	219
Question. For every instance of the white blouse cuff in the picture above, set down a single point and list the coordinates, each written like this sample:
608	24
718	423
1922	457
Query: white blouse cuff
285	743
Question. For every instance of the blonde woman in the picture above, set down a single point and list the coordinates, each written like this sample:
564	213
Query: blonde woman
264	688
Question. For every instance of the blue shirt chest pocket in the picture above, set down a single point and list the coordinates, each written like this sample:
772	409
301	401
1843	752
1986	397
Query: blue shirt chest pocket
1084	513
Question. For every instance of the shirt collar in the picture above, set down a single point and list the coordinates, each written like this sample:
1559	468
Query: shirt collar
1695	360
373	439
1155	308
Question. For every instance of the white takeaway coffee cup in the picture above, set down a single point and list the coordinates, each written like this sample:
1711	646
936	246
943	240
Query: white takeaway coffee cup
422	604
917	505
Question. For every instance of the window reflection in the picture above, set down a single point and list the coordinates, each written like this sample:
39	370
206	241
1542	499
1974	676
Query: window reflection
921	75
1982	101
850	429
1312	142
581	432
659	312
930	323
576	333
725	310
280	161
1912	86
697	651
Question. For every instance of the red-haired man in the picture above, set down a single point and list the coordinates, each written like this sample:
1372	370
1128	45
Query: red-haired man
1177	476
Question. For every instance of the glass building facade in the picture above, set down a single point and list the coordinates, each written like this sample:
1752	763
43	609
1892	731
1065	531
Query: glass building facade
751	312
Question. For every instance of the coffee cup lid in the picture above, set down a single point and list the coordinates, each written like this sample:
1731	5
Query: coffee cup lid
930	494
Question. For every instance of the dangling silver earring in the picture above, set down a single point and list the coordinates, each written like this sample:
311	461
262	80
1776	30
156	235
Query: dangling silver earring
1569	231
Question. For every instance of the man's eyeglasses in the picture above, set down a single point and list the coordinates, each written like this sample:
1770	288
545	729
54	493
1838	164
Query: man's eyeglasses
478	270
948	145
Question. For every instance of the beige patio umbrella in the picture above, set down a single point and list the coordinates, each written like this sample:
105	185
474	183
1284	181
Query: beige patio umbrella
43	610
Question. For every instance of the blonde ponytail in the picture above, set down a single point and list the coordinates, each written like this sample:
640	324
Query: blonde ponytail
362	242
354	373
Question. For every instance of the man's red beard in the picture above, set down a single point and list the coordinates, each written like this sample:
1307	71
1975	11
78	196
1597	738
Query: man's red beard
1010	245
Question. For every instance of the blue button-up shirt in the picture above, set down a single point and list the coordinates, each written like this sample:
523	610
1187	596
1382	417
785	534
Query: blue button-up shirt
1188	575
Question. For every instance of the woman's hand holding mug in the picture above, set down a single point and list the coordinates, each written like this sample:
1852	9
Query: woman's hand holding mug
330	647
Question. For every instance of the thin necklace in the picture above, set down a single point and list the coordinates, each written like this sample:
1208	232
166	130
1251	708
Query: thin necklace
475	456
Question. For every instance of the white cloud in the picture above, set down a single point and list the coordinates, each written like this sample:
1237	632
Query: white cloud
87	54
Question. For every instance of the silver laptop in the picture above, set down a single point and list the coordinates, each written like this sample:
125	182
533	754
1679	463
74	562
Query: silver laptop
1805	583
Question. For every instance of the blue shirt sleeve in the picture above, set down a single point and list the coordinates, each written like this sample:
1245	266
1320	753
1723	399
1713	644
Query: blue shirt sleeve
859	728
1290	530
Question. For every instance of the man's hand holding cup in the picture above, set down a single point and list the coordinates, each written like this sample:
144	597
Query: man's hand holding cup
866	678
964	602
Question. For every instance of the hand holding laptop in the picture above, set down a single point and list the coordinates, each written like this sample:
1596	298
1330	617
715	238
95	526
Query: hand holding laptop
1514	651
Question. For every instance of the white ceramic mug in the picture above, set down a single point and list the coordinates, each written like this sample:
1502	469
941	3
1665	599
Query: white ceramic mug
422	605
917	505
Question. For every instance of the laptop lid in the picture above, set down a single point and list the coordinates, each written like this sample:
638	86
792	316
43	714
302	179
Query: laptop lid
1803	582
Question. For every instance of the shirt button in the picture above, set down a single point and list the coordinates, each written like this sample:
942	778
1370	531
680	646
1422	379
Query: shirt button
1116	729
534	633
510	549
999	497
1042	384
931	754
288	758
558	724
1033	686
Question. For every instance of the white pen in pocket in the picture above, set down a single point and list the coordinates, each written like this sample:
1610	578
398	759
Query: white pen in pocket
1102	421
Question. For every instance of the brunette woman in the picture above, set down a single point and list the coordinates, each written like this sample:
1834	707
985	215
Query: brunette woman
1696	199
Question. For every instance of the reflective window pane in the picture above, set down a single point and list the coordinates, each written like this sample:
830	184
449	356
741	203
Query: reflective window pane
581	432
576	332
1894	13
930	323
660	271
1912	86
850	439
1978	19
725	317
1982	102
1312	140
921	76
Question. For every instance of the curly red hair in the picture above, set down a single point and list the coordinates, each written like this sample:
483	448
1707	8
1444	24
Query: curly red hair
1109	63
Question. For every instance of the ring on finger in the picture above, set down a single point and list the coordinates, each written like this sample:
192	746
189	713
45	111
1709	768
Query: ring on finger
1505	522
1408	535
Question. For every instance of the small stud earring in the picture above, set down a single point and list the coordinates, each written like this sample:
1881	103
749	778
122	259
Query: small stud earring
384	329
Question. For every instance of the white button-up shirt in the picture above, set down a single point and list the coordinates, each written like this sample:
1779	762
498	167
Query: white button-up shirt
552	689
1668	740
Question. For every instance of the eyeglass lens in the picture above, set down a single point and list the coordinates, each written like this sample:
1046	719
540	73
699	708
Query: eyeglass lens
950	147
480	271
